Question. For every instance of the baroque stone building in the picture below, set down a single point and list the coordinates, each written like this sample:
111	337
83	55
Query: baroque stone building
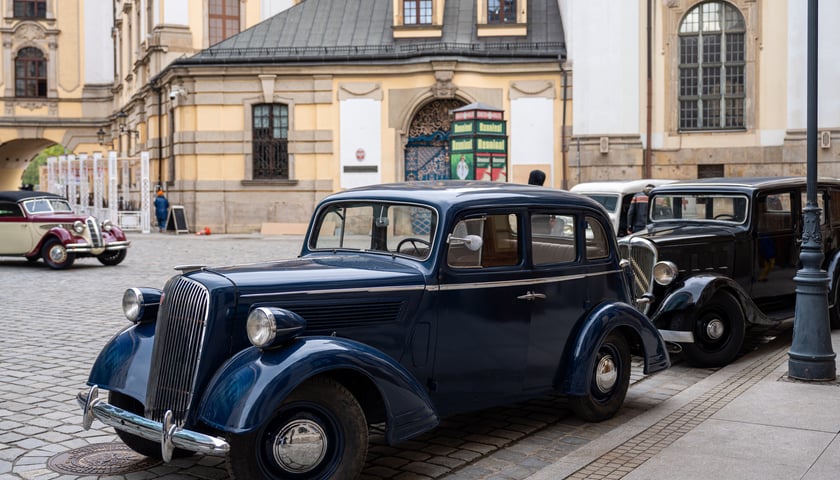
253	110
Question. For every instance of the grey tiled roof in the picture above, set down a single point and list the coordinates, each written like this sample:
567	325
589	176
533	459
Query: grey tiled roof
347	31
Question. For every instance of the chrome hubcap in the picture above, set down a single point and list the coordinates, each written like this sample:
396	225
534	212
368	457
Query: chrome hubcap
300	446
715	329
58	253
606	373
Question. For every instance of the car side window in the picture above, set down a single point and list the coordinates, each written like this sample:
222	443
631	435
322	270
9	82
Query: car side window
596	239
774	213
10	209
485	241
552	239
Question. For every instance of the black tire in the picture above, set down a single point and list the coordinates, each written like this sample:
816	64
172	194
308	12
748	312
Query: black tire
610	368
718	331
337	434
55	255
114	257
139	444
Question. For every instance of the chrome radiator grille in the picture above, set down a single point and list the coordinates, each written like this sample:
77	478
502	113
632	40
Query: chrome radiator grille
642	256
179	337
95	232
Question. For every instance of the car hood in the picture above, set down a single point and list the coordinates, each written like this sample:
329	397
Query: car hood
322	272
68	217
689	234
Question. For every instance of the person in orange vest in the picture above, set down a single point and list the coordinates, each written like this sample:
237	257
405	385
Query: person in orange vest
638	214
161	209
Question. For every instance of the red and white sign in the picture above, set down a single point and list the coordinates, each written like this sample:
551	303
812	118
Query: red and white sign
360	154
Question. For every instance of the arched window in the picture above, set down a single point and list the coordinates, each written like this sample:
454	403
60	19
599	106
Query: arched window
712	53
271	141
30	73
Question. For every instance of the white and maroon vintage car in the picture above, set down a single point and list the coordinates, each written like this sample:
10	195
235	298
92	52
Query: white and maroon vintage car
43	225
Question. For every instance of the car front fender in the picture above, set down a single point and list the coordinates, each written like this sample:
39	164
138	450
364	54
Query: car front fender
123	363
246	391
604	319
696	291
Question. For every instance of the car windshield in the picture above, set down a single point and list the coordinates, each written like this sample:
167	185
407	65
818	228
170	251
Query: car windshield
706	207
47	205
375	226
607	200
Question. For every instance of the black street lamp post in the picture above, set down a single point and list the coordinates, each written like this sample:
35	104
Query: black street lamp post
811	356
121	122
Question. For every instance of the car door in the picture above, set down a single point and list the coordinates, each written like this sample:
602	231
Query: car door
571	272
483	313
15	230
776	245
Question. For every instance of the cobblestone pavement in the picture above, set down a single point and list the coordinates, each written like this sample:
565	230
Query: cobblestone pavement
53	324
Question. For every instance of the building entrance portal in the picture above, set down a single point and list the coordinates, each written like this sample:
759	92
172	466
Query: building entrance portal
427	149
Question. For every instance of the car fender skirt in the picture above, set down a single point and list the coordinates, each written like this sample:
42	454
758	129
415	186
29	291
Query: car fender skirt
697	291
246	391
123	364
603	319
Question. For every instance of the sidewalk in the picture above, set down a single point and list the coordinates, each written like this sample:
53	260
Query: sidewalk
747	420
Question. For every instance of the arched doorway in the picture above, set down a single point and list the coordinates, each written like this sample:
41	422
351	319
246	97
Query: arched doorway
427	148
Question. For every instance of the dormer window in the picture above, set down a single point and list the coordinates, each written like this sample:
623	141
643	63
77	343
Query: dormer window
418	18
417	12
501	11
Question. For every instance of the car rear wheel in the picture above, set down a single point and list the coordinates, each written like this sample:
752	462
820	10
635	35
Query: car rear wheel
718	331
56	255
834	311
113	257
610	372
318	432
139	444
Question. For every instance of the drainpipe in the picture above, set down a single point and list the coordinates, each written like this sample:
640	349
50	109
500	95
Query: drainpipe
646	168
565	184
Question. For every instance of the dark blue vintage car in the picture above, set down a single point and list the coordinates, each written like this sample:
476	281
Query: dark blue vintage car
408	302
719	257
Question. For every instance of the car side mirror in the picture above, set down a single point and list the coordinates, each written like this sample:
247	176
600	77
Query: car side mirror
472	242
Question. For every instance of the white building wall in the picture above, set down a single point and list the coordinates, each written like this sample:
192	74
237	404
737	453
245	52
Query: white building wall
360	137
176	12
98	53
269	8
532	132
604	45
828	66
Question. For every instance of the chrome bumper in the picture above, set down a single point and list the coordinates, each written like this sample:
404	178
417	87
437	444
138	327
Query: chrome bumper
677	336
167	433
88	248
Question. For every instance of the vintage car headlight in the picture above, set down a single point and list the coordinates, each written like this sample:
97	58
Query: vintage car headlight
141	304
107	225
664	272
268	326
78	226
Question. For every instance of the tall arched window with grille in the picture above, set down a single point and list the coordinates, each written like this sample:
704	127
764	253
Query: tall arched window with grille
712	54
30	73
271	141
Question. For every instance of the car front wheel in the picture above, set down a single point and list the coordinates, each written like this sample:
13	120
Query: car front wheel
113	257
56	255
718	331
609	383
318	432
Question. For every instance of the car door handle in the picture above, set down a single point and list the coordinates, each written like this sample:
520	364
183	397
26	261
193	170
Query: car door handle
531	296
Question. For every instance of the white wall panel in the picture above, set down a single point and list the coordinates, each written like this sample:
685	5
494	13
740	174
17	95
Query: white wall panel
98	50
532	132
360	127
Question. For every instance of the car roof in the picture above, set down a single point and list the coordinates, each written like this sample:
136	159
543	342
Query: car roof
18	195
446	193
743	184
618	186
